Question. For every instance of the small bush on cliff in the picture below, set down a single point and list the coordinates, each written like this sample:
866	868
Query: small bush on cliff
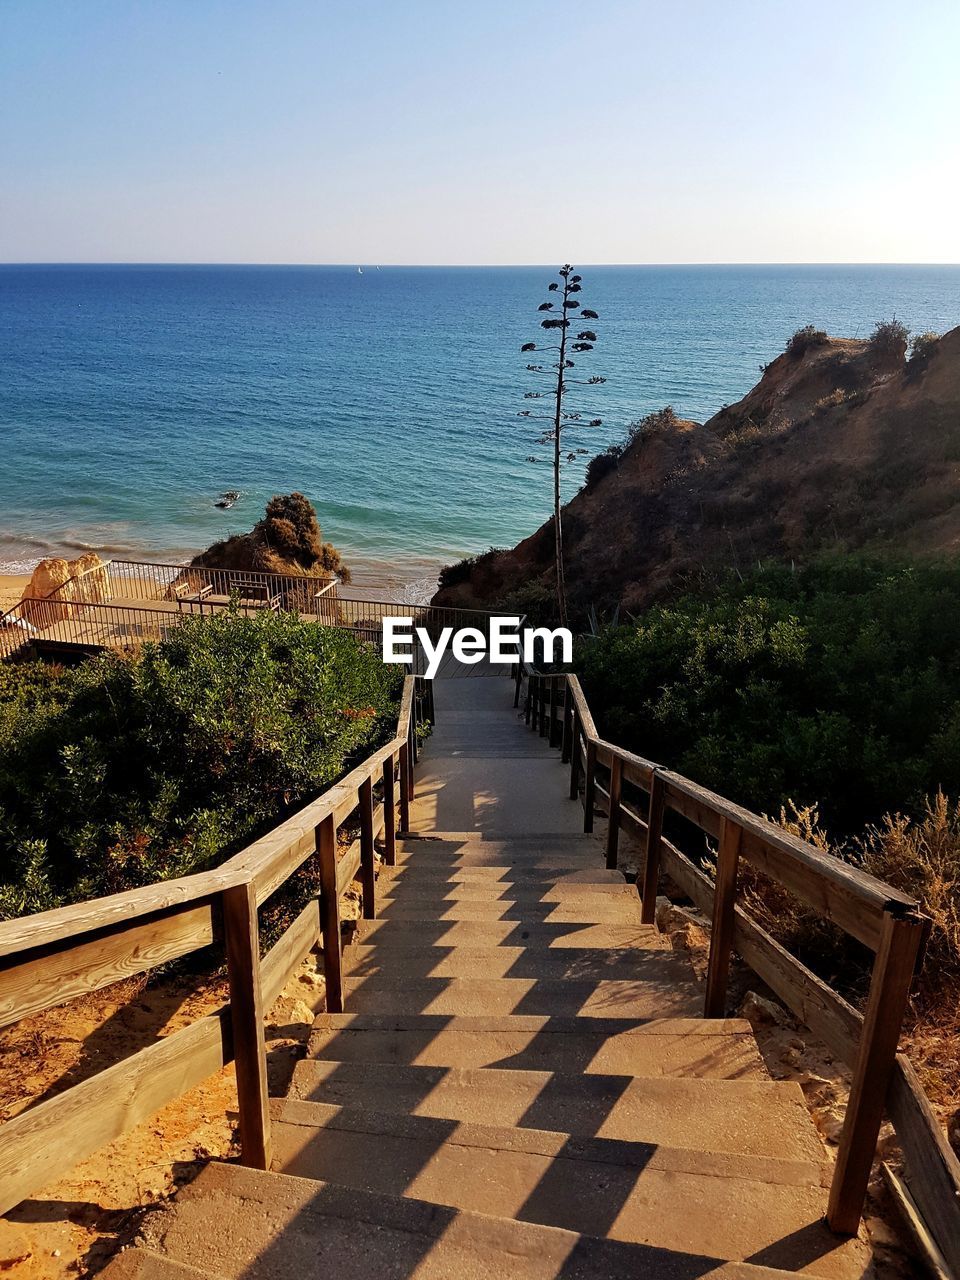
888	342
602	464
805	340
128	770
923	346
653	424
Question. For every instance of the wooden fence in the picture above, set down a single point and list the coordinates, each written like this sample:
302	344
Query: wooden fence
52	957
888	922
145	580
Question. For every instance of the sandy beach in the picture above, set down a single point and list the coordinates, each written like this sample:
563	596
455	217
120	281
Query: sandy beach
12	587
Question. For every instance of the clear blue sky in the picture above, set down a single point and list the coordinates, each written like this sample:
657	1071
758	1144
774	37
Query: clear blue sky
440	131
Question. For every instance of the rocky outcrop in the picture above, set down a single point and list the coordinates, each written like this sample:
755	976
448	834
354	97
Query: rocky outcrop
834	448
85	579
287	540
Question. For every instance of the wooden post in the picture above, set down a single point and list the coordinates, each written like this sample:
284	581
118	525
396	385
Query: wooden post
552	735
721	933
565	735
411	760
389	815
518	677
404	787
544	701
900	942
242	937
330	914
651	862
589	785
368	871
575	757
613	822
528	700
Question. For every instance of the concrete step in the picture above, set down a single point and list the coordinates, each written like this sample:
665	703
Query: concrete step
664	991
597	909
233	1223
521	889
144	1264
514	846
495	962
740	1117
718	1049
494	854
427	876
520	839
511	933
760	1208
490	793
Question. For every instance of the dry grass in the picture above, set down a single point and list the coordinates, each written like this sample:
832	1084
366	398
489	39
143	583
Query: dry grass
921	857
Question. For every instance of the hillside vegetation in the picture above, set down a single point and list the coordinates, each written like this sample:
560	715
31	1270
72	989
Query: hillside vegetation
127	770
842	445
837	685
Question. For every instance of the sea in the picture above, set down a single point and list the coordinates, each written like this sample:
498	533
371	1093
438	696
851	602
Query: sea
132	397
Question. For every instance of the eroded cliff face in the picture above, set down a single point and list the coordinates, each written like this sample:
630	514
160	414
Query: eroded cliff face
832	449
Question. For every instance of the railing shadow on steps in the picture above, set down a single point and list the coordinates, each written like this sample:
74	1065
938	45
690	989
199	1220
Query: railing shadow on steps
54	956
888	922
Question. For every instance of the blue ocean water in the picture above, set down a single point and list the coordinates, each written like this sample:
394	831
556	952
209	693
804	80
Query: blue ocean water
130	396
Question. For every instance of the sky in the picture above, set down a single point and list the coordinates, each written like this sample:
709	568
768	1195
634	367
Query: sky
440	131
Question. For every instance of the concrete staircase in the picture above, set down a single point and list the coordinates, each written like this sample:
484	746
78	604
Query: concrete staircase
522	1085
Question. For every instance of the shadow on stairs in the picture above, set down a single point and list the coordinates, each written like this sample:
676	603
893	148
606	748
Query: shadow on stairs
522	1085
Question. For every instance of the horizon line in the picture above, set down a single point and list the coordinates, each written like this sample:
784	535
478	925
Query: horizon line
447	266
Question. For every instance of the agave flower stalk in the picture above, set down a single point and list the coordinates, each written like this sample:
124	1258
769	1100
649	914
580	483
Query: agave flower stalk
561	316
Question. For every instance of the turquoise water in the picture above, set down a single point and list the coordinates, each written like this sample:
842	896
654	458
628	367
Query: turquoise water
130	397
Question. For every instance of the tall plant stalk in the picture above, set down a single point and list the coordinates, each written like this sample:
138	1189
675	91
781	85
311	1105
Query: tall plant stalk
567	286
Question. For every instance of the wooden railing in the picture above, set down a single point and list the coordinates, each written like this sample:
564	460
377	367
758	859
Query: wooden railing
52	957
145	580
886	921
363	615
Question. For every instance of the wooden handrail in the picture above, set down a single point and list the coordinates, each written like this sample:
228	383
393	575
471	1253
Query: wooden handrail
51	957
853	898
887	921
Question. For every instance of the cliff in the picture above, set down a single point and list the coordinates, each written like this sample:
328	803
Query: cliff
839	446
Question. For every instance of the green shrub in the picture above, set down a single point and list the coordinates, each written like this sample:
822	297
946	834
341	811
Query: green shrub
128	770
452	575
653	424
838	684
602	464
923	346
806	339
888	342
